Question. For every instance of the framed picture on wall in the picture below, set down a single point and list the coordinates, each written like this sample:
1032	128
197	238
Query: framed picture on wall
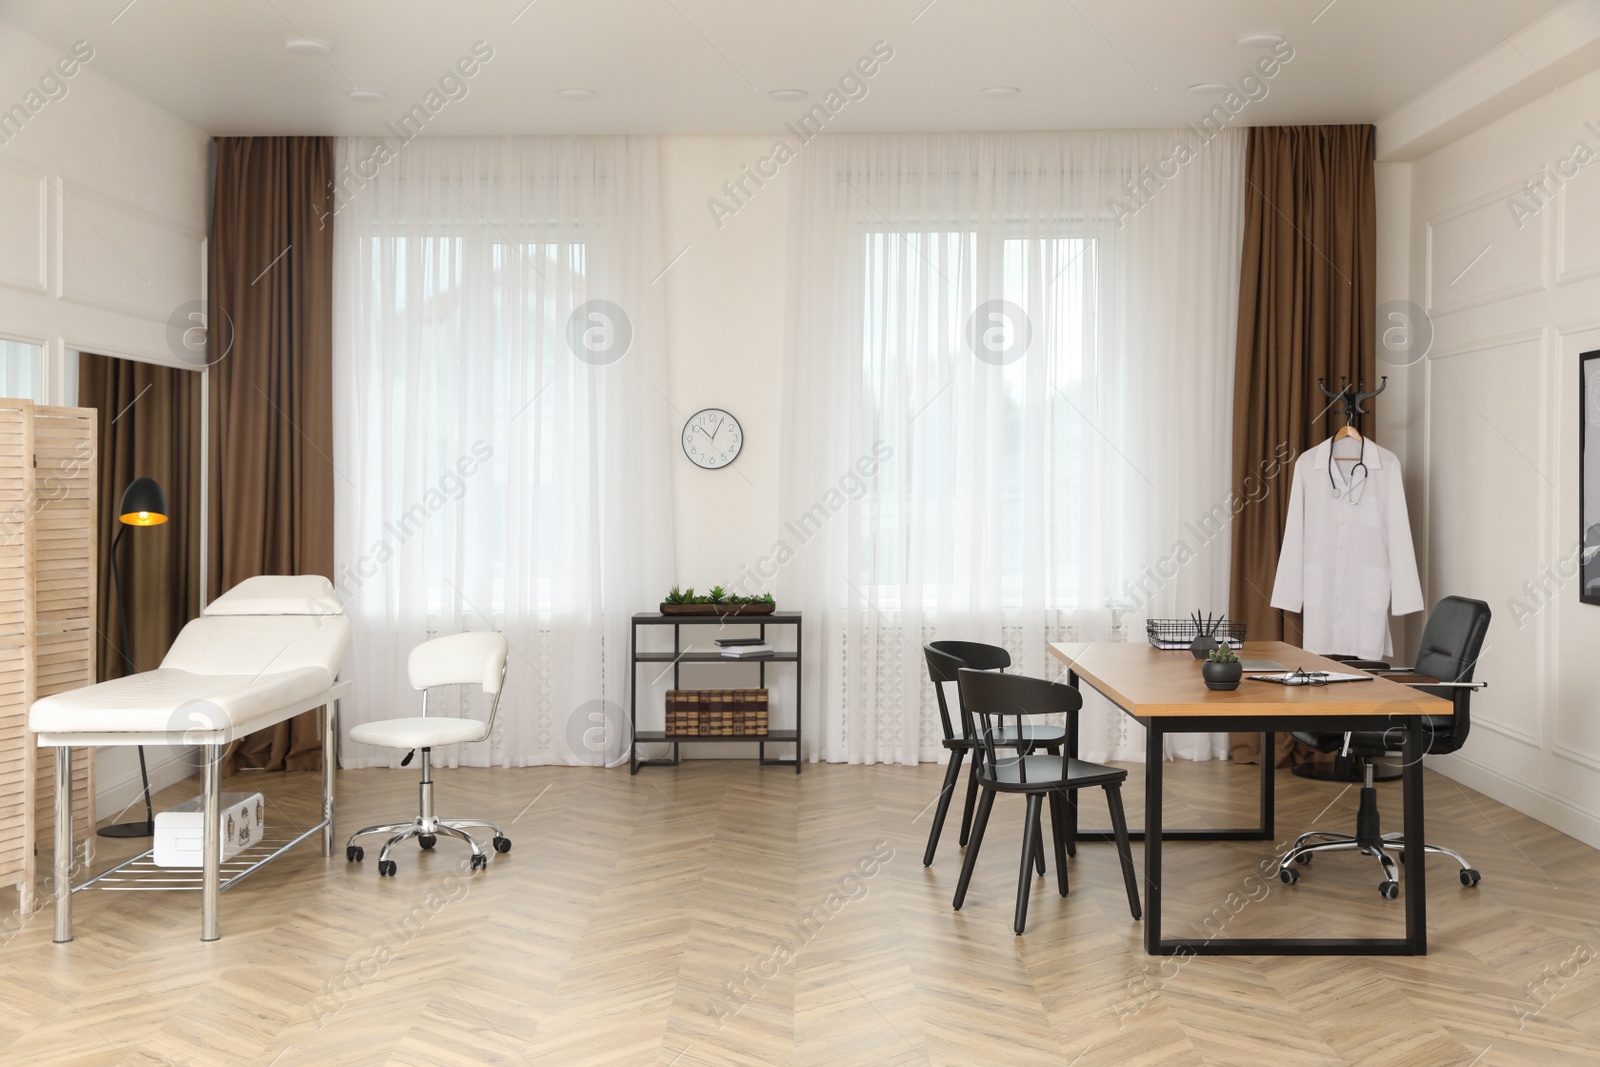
1589	476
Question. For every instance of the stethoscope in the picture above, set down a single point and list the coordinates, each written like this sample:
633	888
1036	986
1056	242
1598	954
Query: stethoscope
1354	488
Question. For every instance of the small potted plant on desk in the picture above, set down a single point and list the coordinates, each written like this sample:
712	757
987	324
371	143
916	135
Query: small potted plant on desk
1222	669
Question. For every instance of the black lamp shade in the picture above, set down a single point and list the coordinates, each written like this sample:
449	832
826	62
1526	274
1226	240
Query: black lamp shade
143	503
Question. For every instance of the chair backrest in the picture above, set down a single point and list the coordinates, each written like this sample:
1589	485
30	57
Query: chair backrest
477	658
1451	642
946	659
991	698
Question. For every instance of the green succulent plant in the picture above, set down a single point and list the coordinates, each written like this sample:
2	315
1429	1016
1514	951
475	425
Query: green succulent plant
1223	653
718	594
674	597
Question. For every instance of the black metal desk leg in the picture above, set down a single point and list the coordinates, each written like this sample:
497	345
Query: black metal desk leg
1269	765
1152	837
1416	859
1072	752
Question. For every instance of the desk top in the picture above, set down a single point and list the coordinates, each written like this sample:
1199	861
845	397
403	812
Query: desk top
1145	681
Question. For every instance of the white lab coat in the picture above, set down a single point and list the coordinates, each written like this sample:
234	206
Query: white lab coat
1347	554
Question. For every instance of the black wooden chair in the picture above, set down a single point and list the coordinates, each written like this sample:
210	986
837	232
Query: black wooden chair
945	660
992	699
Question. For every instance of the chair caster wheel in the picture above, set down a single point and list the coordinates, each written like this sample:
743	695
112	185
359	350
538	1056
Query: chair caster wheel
387	868
354	853
426	840
502	844
1389	890
1470	877
1288	875
1304	857
480	862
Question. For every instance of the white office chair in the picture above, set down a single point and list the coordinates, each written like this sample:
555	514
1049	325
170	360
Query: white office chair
461	659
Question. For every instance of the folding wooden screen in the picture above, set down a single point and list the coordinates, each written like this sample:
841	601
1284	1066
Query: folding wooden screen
65	526
16	646
48	523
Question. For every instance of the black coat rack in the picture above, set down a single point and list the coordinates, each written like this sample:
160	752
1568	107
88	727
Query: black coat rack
1350	398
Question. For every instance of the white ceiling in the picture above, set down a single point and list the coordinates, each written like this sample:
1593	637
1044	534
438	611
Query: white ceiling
705	66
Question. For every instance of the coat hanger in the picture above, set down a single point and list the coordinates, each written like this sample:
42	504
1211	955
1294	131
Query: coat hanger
1350	399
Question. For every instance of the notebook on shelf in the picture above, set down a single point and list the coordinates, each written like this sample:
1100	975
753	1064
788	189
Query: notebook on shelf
748	651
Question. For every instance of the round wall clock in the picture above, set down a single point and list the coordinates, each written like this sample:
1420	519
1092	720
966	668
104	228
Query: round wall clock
712	438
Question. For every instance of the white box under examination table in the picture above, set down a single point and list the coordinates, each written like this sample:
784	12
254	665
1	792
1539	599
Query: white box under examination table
264	651
181	831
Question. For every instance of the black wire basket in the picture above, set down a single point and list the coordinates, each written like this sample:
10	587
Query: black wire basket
1180	633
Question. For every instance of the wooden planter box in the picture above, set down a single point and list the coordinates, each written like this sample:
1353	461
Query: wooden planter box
718	609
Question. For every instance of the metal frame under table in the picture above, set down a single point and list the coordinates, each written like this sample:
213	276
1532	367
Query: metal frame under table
140	872
1163	691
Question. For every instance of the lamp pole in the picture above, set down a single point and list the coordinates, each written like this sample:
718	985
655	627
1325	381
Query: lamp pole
143	504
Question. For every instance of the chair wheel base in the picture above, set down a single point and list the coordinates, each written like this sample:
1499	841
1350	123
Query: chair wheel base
354	853
387	868
1470	877
480	862
1389	890
426	840
502	844
1304	857
1288	875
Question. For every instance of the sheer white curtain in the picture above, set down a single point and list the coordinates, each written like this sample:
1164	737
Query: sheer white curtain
1007	410
499	437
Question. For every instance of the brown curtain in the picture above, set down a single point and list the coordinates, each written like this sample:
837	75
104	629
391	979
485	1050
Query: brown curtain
1307	287
149	428
272	391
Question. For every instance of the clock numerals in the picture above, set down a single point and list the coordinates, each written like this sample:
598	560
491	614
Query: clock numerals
712	438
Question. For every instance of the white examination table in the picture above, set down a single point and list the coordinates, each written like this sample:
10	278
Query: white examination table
266	650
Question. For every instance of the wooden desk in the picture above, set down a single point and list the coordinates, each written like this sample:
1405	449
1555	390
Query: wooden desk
1164	692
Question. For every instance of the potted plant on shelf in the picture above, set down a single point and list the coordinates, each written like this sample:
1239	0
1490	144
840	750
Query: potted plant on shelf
1222	669
716	602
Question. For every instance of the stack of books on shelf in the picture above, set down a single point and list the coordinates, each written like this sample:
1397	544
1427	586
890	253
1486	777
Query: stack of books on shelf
716	712
745	648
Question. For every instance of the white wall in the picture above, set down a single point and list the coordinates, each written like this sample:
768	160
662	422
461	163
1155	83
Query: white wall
1488	428
724	349
103	215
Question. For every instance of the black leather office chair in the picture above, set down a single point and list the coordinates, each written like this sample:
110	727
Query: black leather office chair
1451	643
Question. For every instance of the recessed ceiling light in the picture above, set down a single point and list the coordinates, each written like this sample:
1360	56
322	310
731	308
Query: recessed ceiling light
1210	87
787	94
1261	40
999	92
575	94
307	46
367	96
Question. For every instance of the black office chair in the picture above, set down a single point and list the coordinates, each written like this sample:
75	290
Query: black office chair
992	698
1451	643
945	661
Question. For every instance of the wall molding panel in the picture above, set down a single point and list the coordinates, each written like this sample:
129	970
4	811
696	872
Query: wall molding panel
24	227
1475	254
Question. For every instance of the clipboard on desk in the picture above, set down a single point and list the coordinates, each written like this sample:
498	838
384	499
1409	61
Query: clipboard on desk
1309	678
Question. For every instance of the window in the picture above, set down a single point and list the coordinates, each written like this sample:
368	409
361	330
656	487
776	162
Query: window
978	366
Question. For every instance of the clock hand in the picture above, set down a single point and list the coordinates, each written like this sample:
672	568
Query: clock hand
717	430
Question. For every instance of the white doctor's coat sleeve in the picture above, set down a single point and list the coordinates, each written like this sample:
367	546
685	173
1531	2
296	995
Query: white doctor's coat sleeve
1288	589
1406	588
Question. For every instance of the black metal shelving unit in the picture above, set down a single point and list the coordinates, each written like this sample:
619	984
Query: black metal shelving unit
678	656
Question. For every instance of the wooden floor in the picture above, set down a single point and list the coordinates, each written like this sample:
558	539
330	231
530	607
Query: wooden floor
721	913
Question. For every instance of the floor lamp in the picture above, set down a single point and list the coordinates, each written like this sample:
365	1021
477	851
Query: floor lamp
143	504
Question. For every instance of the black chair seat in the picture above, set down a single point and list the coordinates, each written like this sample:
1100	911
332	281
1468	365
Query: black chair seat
1038	736
1437	732
1033	773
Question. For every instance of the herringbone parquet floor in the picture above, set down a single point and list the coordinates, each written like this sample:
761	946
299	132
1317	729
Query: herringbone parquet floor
724	914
